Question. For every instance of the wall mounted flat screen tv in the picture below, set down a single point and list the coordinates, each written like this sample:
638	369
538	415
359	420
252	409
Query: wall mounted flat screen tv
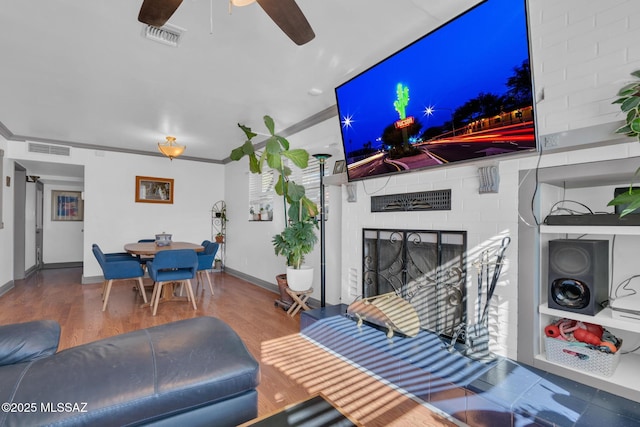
462	92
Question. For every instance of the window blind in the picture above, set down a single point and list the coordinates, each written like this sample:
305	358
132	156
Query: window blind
261	192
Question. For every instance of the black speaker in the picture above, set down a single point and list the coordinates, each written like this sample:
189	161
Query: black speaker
578	275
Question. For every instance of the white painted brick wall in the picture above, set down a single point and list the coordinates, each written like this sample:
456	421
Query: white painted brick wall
583	52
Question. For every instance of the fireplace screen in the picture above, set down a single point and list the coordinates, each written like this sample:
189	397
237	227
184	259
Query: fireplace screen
425	267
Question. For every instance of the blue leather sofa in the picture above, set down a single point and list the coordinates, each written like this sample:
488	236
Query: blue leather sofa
190	372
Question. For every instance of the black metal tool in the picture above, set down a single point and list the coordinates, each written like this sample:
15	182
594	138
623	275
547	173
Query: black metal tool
497	269
478	334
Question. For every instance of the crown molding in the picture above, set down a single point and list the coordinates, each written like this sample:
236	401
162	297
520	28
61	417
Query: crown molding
310	121
10	136
5	132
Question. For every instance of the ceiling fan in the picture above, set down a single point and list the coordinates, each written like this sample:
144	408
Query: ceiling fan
285	13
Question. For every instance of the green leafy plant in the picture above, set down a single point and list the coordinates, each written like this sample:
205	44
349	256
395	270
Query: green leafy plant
298	237
295	241
223	216
630	199
629	100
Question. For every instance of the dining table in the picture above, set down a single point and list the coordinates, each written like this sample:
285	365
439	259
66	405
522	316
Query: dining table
149	249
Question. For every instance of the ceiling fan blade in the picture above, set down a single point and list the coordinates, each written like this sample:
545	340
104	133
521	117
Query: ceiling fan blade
157	12
288	16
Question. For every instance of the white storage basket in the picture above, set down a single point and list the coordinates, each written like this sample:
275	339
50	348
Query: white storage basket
581	358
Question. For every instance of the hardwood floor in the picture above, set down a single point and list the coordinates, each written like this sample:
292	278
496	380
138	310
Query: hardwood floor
292	369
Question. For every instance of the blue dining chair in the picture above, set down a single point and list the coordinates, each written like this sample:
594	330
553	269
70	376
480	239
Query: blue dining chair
205	261
170	266
143	259
114	268
116	255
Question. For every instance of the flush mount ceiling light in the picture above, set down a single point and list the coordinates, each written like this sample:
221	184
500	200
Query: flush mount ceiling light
171	148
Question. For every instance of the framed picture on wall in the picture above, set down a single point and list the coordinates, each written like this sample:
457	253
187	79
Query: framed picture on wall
67	206
154	190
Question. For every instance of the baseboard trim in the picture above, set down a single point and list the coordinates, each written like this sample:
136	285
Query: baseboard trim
54	265
89	280
271	287
30	271
254	280
263	284
6	287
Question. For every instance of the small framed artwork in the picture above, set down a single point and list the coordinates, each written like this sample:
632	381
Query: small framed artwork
67	206
154	190
339	167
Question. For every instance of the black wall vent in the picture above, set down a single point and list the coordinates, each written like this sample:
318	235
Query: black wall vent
437	200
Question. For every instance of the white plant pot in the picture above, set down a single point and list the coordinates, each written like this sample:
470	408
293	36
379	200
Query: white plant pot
300	279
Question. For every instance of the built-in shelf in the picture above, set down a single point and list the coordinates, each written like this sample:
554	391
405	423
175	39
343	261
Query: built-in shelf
603	318
591	229
592	184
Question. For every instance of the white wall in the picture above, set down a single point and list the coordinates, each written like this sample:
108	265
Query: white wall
583	52
113	218
63	241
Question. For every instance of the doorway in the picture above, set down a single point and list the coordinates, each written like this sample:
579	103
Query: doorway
34	183
39	222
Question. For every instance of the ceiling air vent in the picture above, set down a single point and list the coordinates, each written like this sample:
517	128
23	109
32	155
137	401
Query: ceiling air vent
167	34
58	150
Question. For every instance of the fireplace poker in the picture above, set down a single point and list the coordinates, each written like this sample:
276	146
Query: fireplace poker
478	334
496	274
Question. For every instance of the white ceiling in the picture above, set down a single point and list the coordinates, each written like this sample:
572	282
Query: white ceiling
79	72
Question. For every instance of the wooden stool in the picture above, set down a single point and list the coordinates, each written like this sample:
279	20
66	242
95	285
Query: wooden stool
299	301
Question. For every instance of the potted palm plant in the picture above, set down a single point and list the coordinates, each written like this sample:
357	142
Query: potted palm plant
298	237
629	100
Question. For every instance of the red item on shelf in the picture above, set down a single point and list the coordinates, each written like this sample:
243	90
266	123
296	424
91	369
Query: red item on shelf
585	336
552	331
597	330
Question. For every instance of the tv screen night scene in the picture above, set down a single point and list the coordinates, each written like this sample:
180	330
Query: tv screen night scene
462	92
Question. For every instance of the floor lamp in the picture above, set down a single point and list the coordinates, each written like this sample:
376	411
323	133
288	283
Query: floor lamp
322	158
